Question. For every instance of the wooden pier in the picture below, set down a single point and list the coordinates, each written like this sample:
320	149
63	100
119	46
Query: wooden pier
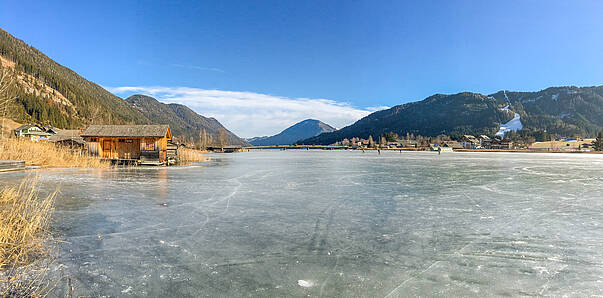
11	165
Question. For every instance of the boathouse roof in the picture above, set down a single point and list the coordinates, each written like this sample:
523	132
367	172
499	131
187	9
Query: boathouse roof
158	131
69	135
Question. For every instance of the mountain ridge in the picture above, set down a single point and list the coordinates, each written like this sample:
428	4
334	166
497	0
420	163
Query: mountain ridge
47	92
182	120
563	111
87	102
298	131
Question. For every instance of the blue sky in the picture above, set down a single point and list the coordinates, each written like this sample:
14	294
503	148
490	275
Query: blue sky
337	60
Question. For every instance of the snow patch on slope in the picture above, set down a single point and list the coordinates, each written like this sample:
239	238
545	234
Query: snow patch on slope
513	125
506	97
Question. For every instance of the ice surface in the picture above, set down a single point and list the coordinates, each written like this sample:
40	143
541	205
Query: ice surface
353	224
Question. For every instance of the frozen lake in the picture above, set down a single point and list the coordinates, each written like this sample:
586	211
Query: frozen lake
334	224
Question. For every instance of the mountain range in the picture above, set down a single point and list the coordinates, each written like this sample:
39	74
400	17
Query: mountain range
183	121
299	131
46	92
41	90
563	111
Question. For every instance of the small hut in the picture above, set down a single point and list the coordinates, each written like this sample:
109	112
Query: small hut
68	138
145	144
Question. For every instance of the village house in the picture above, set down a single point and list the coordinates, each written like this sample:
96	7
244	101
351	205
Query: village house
470	142
409	144
50	129
33	132
484	140
505	144
452	144
144	144
393	145
440	148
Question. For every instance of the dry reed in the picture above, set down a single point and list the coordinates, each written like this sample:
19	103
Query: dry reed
25	244
190	155
47	154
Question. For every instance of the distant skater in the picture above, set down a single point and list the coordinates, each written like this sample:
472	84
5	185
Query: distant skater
379	151
439	150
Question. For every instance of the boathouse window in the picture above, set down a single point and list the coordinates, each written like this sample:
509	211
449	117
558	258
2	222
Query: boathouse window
129	141
149	146
93	140
122	140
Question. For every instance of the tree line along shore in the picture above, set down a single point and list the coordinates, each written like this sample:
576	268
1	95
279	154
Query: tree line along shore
468	143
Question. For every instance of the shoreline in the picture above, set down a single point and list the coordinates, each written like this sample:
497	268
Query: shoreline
427	150
526	151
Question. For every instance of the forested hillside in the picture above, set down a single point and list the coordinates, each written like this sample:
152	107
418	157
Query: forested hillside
564	111
557	111
48	92
37	89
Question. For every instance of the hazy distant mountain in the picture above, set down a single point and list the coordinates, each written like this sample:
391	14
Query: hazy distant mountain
256	139
299	131
182	120
564	111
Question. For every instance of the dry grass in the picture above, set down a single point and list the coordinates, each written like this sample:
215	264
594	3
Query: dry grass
24	239
8	125
47	154
560	145
189	155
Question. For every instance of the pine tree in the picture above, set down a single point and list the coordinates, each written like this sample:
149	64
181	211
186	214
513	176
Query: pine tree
598	143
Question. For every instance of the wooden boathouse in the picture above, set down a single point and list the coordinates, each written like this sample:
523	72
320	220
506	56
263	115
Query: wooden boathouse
144	144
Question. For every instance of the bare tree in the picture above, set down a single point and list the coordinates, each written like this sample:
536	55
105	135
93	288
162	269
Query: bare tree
203	140
222	137
7	79
371	143
210	139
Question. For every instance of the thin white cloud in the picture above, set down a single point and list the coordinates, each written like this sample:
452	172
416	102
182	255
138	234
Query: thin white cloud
197	67
250	114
